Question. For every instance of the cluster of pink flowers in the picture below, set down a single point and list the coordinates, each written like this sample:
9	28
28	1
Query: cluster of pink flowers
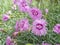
39	25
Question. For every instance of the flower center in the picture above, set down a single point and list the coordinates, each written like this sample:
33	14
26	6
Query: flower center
58	27
39	26
22	24
5	17
23	4
34	12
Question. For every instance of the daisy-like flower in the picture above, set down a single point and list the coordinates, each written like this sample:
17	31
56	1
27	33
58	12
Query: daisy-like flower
5	17
39	27
8	40
46	10
35	13
22	5
56	28
22	25
45	43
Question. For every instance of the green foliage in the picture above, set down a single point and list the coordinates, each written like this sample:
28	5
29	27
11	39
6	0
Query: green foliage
52	17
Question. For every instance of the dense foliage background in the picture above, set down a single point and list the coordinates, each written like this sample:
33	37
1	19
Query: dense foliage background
52	17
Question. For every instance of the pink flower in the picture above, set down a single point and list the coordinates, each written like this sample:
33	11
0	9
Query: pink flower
46	10
30	1
35	13
39	27
22	25
57	44
17	26
23	6
56	28
15	34
8	40
16	2
46	43
5	17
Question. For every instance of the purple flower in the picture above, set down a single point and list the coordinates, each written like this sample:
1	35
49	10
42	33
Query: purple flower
17	26
16	2
5	17
23	6
15	34
30	1
46	43
22	25
39	27
35	13
57	44
56	28
46	10
8	40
